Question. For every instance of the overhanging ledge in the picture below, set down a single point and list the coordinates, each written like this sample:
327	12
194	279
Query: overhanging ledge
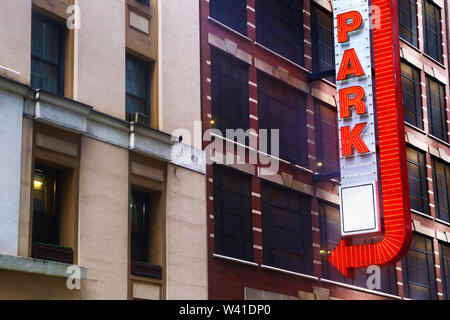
36	266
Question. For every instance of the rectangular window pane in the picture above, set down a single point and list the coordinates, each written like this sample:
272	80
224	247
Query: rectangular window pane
419	280
284	108
436	109
407	10
47	55
417	174
140	217
326	130
445	269
432	30
232	13
279	26
322	40
412	95
441	172
233	223
287	235
230	96
330	237
137	86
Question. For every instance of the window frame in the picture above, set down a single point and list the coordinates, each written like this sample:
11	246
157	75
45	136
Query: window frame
417	96
437	189
328	166
442	135
414	41
318	64
303	214
61	56
147	100
246	215
262	33
438	25
147	198
422	180
445	270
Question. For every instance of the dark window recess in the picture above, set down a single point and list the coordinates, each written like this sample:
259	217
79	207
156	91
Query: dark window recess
46	217
232	13
284	108
141	211
230	97
412	95
432	30
419	279
287	235
47	55
330	237
327	147
445	269
441	172
407	10
144	2
233	213
138	90
322	41
417	174
279	26
436	109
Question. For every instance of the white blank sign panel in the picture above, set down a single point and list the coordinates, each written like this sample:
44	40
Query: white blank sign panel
359	209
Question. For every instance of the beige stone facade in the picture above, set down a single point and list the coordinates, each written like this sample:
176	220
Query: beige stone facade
100	155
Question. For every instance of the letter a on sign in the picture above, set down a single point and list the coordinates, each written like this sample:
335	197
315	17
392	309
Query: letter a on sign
374	191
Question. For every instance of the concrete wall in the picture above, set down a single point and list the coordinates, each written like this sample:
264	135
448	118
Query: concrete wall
100	56
179	45
11	110
15	39
103	219
186	234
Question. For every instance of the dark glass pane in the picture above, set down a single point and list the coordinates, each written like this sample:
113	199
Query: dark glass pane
417	180
436	109
408	20
326	130
445	269
232	13
412	102
137	86
432	31
140	215
441	172
322	40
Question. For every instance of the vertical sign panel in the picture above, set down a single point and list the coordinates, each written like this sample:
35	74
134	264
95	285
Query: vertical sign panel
360	212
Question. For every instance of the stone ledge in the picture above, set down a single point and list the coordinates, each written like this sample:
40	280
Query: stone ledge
36	266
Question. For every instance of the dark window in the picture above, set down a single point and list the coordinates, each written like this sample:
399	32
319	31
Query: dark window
436	109
412	95
279	26
445	269
47	202
284	108
327	147
140	217
441	173
230	97
419	281
432	30
47	55
287	235
408	20
144	2
232	13
417	174
330	237
322	40
233	213
138	86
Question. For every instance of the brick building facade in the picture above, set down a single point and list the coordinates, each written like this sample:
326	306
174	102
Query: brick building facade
264	66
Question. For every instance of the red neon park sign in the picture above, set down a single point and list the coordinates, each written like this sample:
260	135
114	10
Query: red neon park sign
374	189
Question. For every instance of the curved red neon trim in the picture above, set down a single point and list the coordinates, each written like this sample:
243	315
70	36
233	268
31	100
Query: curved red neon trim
393	164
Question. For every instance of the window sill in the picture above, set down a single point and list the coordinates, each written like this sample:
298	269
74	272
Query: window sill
415	128
435	61
243	36
218	256
442	221
439	140
282	57
36	266
328	82
349	286
422	214
289	272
